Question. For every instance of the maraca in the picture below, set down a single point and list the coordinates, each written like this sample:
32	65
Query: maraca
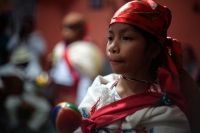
66	117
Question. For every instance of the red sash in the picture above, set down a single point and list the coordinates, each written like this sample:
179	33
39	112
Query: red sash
73	71
119	109
73	90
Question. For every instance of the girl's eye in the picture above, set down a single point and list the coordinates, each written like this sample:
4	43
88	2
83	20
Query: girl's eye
110	38
127	38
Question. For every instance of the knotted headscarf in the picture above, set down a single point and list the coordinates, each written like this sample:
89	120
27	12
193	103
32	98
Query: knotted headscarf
155	19
147	15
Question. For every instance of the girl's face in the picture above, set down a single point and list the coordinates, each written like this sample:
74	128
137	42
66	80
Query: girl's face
126	50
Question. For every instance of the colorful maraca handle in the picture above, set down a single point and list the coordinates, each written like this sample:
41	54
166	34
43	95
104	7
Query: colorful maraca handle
66	117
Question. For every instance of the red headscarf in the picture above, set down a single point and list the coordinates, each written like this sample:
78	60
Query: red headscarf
147	15
155	19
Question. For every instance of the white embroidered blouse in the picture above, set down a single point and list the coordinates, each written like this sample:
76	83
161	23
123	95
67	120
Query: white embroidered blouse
162	119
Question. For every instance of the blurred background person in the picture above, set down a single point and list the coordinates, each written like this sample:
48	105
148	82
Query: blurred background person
4	57
75	60
74	28
190	63
4	38
30	38
25	69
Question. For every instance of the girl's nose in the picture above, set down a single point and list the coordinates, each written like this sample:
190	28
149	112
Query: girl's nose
114	48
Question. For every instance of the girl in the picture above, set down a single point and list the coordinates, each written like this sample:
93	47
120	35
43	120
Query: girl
144	95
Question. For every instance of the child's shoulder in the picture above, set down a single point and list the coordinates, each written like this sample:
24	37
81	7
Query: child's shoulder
99	93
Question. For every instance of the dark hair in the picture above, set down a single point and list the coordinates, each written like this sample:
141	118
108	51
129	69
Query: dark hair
3	22
152	44
27	26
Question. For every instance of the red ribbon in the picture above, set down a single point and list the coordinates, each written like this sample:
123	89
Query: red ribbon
119	109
